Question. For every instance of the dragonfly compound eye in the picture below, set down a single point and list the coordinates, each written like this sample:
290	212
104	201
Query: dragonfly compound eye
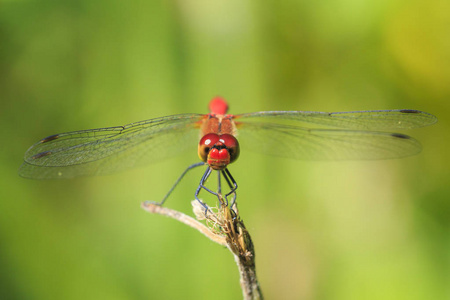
205	145
232	145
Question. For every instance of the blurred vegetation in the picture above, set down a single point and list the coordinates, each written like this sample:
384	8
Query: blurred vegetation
347	230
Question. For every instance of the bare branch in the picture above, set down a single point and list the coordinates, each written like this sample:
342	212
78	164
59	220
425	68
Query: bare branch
227	229
157	209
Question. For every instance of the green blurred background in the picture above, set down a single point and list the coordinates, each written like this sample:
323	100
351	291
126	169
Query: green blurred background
322	230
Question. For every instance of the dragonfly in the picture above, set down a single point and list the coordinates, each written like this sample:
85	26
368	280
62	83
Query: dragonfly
301	135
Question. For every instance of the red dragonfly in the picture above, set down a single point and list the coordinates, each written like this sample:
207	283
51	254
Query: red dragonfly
304	135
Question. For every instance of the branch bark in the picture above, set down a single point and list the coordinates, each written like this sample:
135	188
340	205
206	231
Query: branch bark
227	229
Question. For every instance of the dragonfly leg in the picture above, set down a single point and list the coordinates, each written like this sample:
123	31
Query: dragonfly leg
232	184
219	188
219	184
178	181
219	193
202	186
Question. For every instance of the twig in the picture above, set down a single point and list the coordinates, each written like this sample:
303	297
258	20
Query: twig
227	229
157	209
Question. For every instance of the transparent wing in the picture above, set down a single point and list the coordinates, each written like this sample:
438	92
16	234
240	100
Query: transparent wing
107	150
324	144
361	120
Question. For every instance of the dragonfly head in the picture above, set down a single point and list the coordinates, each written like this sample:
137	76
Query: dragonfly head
218	150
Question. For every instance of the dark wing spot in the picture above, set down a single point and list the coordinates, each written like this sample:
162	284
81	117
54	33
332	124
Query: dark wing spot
409	111
42	154
50	138
400	136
